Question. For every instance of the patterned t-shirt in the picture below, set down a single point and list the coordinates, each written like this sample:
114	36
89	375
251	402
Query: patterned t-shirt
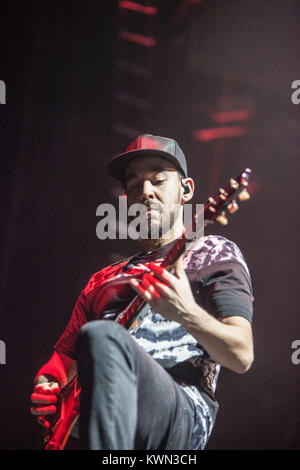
221	284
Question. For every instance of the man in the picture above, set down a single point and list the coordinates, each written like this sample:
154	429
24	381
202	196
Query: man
153	386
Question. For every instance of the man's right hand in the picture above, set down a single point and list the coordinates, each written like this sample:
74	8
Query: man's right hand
44	399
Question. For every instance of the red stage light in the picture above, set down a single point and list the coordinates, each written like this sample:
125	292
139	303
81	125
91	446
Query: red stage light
229	116
219	133
137	38
134	6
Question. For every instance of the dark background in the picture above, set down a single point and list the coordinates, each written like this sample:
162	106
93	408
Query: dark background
78	92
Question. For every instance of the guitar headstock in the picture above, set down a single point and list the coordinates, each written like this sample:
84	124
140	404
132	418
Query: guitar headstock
225	200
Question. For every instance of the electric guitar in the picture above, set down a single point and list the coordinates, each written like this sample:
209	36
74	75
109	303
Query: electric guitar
215	210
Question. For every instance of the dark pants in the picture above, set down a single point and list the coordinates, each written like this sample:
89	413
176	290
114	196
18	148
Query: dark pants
128	401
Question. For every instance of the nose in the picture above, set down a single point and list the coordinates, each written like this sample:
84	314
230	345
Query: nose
146	191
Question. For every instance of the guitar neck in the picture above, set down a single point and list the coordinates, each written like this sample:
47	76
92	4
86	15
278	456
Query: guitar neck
133	309
213	211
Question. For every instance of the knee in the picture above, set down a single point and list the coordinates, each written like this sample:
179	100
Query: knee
102	344
97	333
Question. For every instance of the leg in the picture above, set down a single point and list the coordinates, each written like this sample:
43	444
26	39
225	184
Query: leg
128	400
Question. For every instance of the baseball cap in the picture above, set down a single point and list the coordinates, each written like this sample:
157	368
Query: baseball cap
148	144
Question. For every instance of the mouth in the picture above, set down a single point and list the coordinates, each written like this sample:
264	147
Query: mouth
154	209
147	212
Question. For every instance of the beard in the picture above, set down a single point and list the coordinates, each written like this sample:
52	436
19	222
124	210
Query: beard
154	222
159	228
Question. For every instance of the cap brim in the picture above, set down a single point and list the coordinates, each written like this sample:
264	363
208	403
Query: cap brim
116	166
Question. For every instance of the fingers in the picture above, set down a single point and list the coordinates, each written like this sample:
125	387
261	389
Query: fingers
45	393
145	294
150	288
151	285
161	273
43	422
54	387
47	388
165	276
43	411
44	398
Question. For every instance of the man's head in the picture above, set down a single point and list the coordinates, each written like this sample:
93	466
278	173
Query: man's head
147	144
153	172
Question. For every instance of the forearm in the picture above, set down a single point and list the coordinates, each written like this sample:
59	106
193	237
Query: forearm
59	368
228	341
229	345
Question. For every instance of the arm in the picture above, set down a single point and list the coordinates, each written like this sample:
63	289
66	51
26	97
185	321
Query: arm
50	379
228	341
60	368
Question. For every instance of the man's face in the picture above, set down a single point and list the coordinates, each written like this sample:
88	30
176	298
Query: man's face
154	182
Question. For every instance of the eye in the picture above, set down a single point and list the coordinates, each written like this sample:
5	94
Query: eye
132	188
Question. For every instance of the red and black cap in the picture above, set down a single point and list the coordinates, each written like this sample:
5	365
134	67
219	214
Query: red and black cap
147	144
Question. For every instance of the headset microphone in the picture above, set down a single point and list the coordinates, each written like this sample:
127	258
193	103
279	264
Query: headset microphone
186	189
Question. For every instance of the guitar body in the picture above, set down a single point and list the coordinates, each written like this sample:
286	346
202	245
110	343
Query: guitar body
69	404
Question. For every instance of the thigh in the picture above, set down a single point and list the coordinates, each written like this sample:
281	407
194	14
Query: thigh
164	412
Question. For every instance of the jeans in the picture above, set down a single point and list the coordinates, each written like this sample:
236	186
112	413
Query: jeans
128	401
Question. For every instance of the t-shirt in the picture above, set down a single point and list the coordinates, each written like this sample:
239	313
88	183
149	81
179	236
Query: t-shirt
221	284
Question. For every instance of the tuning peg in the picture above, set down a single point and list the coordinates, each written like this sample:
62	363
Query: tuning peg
233	207
222	191
222	219
234	184
244	195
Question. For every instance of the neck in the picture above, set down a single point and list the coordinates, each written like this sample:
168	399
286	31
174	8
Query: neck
149	245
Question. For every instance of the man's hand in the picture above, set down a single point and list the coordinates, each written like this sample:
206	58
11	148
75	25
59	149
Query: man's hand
44	399
168	294
227	340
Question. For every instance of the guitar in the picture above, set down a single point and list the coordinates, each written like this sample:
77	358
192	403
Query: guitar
215	210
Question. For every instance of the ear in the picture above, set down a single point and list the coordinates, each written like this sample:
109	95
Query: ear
188	187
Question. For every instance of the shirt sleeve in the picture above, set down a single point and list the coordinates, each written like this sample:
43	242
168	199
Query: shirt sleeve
66	344
224	289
